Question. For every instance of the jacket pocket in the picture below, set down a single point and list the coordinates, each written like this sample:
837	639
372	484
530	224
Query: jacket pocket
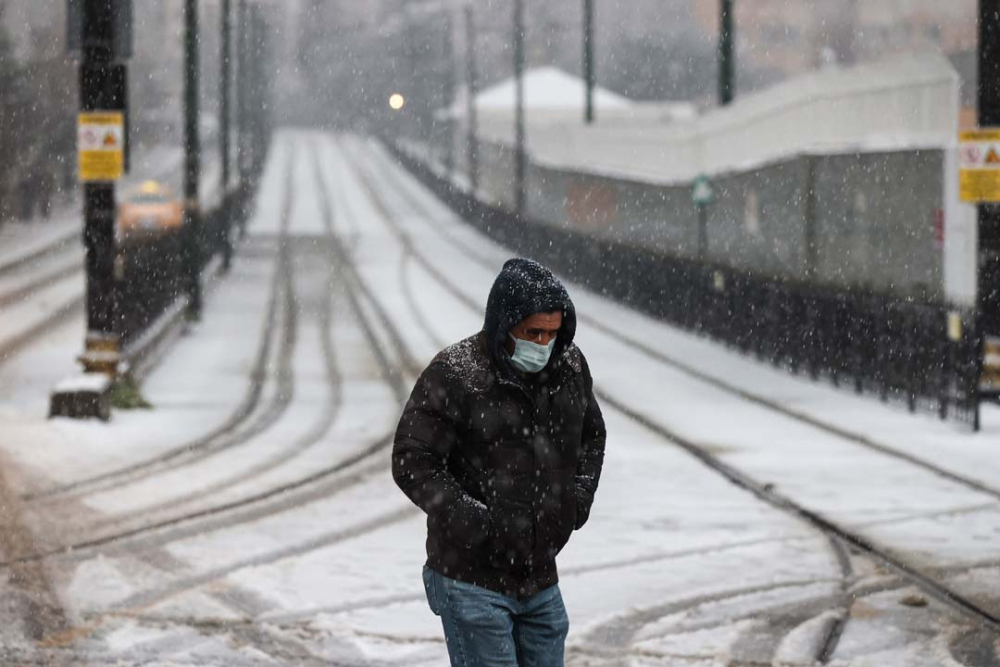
557	516
512	535
465	524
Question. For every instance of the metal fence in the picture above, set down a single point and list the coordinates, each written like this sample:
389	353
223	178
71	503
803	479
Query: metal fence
150	275
914	351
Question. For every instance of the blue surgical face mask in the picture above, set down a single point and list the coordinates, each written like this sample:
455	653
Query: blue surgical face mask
531	357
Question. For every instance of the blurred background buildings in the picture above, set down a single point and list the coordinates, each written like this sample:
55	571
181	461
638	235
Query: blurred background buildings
647	50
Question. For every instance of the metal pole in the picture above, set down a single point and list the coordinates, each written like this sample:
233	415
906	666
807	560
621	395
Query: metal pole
192	160
473	89
260	80
588	59
241	91
97	93
253	83
989	116
727	76
702	232
520	166
225	83
989	214
414	119
449	92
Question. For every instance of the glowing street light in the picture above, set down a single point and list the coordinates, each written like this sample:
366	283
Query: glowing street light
397	101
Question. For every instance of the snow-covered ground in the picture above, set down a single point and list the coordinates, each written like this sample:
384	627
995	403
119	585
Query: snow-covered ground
250	517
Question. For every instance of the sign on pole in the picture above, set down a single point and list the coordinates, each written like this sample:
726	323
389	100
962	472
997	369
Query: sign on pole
101	146
701	191
979	165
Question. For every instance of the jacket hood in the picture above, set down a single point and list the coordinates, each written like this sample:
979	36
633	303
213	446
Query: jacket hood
523	288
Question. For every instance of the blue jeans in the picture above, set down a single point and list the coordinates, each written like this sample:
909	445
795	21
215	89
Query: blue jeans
486	629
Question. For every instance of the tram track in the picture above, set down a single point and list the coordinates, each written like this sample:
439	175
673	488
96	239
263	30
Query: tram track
356	292
62	314
841	601
321	484
316	433
365	463
398	378
149	598
239	424
64	311
60	245
48	279
838	535
258	428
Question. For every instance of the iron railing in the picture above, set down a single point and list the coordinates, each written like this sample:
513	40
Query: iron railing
150	276
926	355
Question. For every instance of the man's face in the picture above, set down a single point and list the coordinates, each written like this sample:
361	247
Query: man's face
539	328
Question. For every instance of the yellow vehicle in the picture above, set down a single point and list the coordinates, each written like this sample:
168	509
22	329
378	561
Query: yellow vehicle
149	210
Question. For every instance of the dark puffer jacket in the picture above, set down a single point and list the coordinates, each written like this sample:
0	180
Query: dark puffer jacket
505	464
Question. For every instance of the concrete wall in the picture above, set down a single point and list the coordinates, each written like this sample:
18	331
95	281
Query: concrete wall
865	220
845	177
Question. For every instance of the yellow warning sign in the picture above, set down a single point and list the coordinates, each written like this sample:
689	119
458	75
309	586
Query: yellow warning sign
100	145
979	165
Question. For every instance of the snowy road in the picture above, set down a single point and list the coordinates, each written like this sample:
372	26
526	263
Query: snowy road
744	518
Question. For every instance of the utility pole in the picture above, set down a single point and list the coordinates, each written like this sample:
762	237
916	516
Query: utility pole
100	31
241	91
259	90
252	58
589	74
520	160
449	91
727	71
473	89
102	89
225	82
989	117
192	163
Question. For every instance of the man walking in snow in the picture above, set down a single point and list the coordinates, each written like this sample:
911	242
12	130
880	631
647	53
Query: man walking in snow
501	444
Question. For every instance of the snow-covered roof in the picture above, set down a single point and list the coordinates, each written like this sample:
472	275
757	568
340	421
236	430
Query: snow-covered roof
901	103
548	88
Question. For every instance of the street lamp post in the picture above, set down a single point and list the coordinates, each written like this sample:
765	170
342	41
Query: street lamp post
102	88
989	116
225	84
727	76
449	91
520	165
472	87
192	163
242	80
588	58
224	114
